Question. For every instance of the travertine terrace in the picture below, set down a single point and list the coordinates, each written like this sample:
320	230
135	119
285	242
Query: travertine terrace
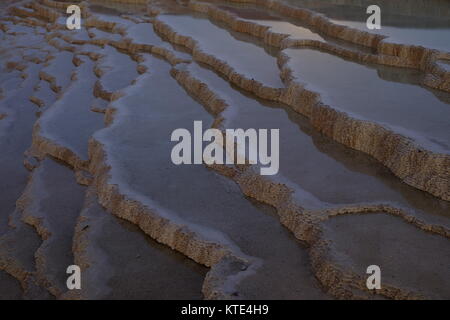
86	176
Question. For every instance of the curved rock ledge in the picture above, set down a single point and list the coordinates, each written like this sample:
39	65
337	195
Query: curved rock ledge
304	224
225	264
42	146
387	52
232	75
178	237
52	180
36	11
416	166
63	5
283	40
129	260
13	246
436	77
9	247
17	258
216	105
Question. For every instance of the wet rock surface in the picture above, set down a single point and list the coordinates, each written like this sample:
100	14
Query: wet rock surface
86	176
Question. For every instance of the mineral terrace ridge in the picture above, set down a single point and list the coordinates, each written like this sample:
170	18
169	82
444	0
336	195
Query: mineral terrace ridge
85	171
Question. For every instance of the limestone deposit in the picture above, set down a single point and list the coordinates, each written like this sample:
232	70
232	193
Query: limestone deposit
86	177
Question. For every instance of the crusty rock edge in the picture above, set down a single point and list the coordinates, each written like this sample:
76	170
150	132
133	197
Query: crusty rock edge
304	224
389	53
414	165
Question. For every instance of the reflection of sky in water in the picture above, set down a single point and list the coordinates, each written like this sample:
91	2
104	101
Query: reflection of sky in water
291	29
407	21
432	38
387	95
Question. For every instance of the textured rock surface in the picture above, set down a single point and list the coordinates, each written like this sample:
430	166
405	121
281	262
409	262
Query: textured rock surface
416	166
86	176
119	262
306	224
